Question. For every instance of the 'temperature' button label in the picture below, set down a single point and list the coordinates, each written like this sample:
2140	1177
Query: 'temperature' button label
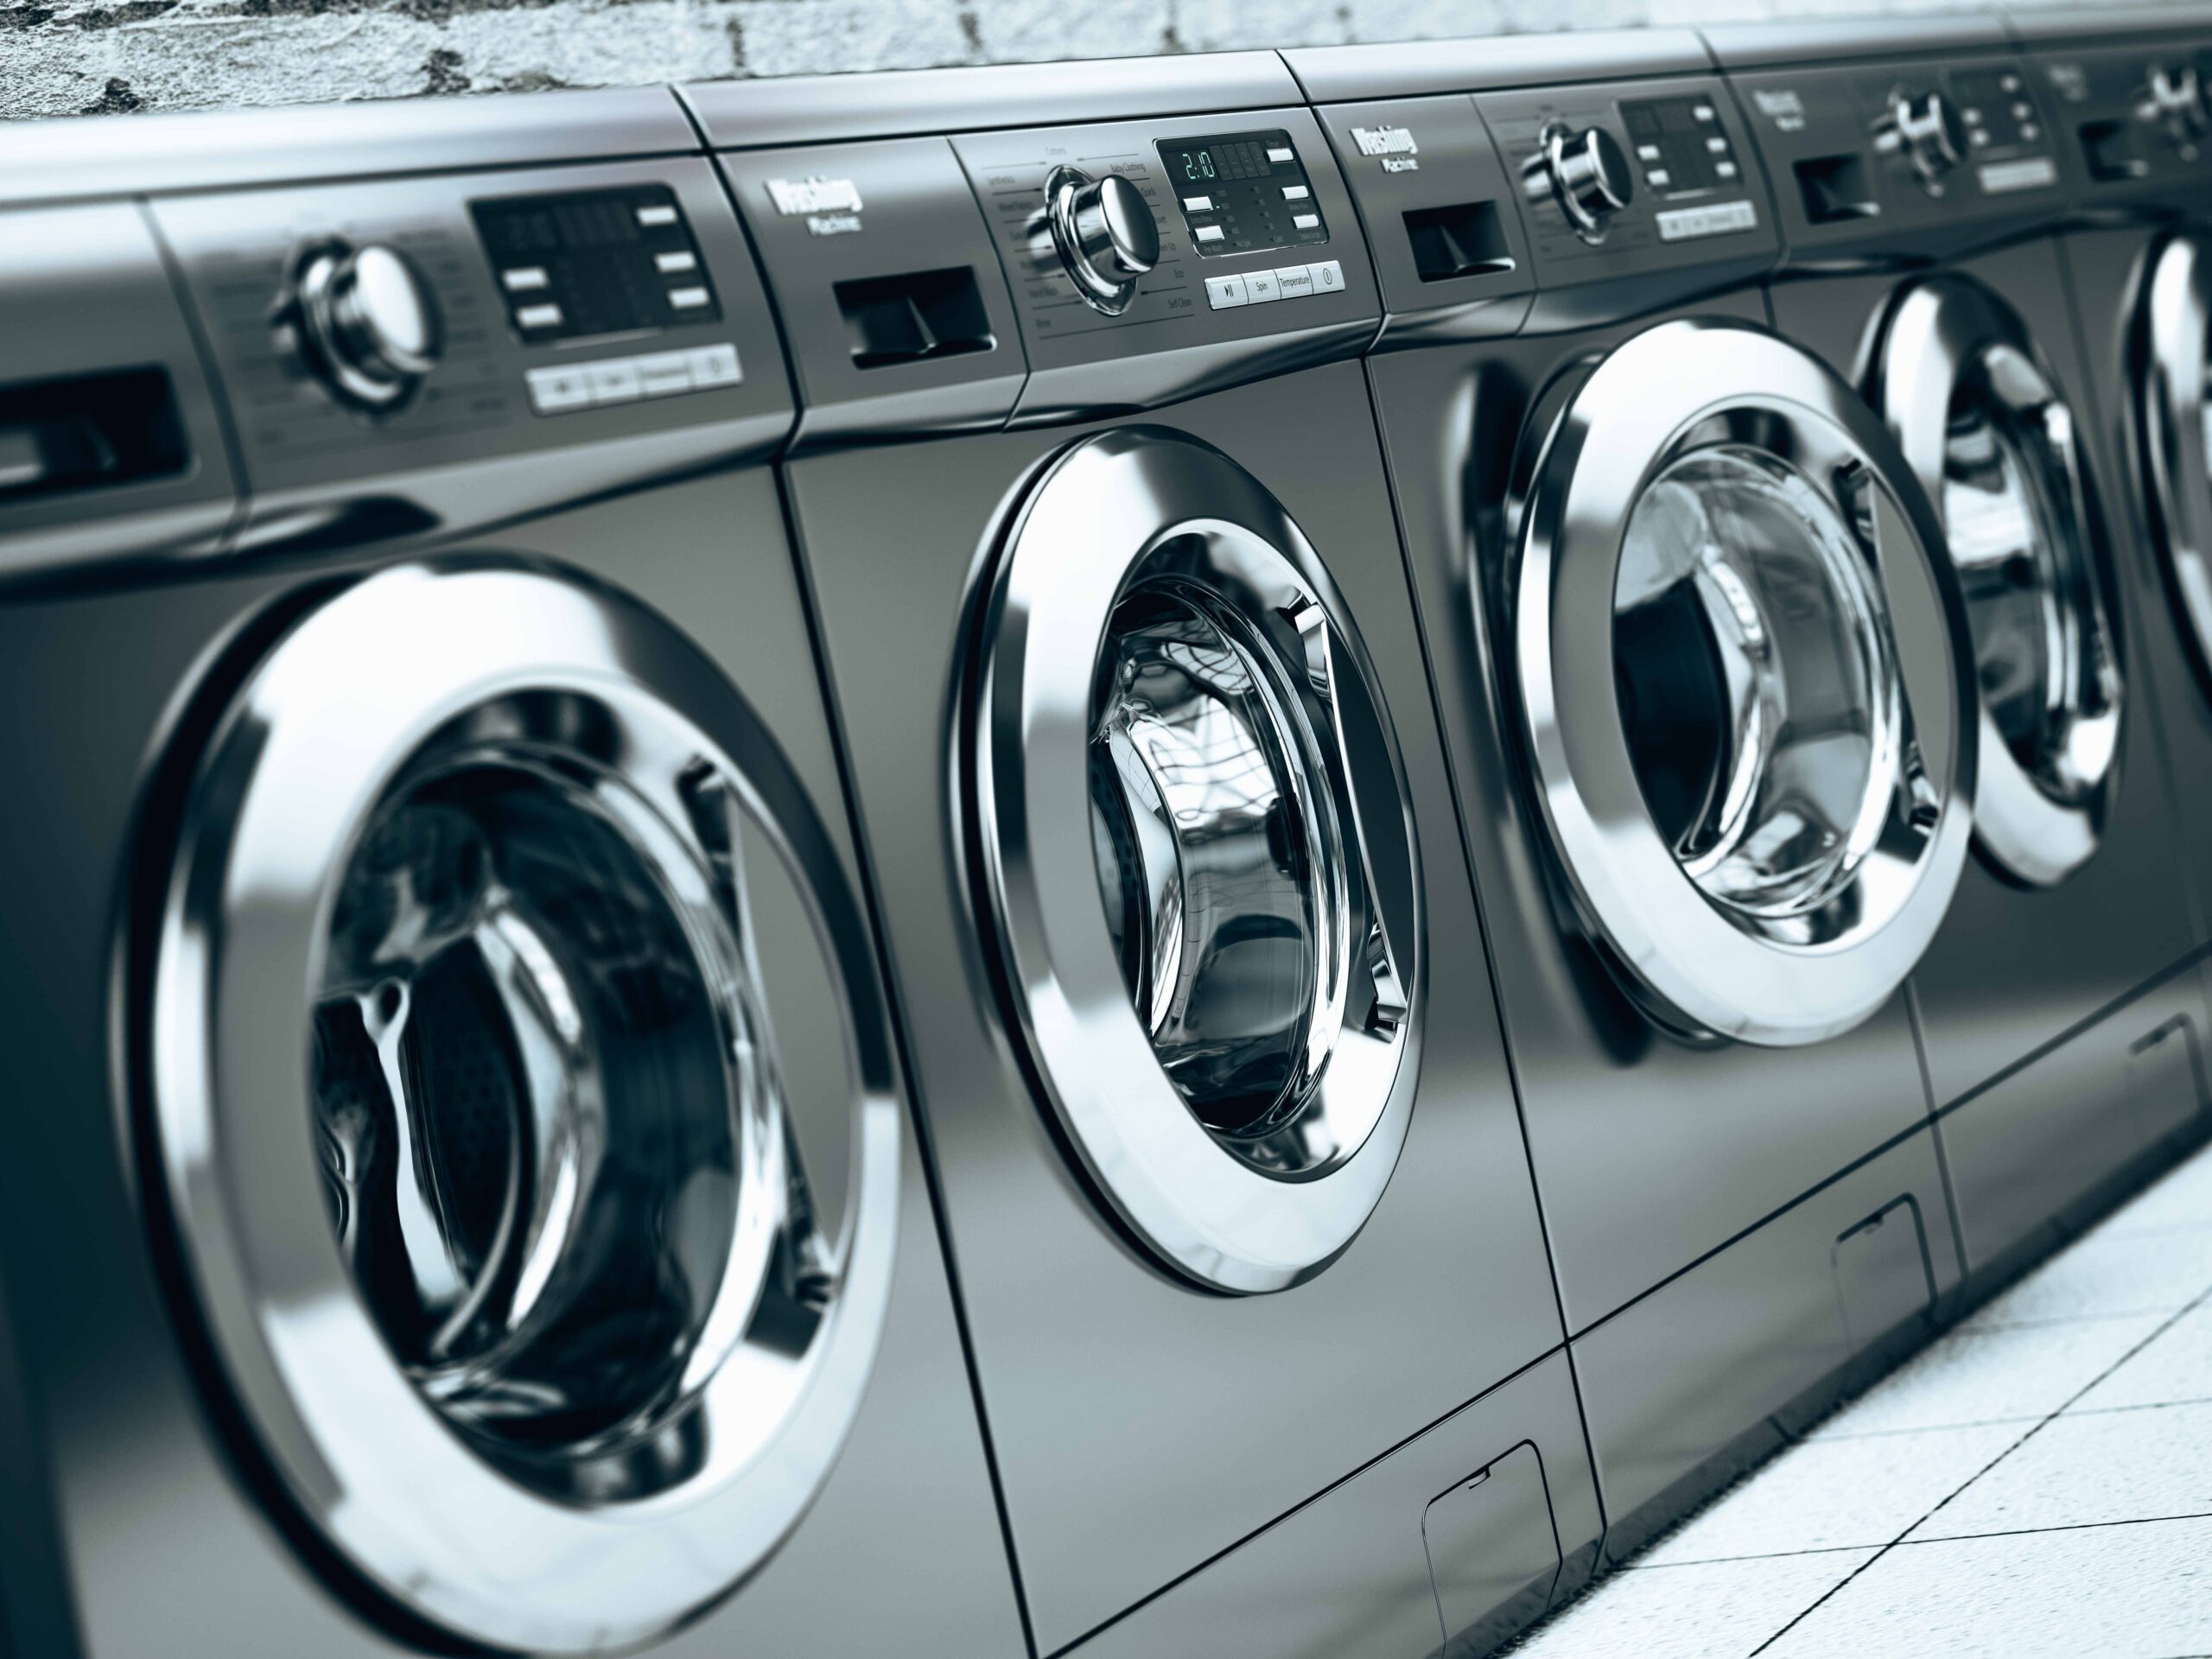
1719	218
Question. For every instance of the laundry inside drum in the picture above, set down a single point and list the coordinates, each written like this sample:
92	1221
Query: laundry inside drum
1209	829
1754	682
527	1061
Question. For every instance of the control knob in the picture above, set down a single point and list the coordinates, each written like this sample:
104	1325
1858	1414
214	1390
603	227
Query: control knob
367	323
1925	129
1104	233
2174	99
1586	173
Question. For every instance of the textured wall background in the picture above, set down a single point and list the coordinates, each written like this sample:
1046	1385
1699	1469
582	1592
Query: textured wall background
66	57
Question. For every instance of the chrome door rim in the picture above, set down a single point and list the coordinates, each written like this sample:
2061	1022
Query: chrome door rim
1641	407
303	751
1086	526
1936	334
2172	325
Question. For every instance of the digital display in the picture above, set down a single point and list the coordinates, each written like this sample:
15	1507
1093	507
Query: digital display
600	262
1242	191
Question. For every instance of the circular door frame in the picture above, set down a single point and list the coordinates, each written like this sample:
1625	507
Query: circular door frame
2172	324
1667	392
1089	519
1934	330
275	804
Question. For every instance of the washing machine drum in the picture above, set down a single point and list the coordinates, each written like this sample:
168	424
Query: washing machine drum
511	1050
2171	361
1196	858
1733	653
1985	428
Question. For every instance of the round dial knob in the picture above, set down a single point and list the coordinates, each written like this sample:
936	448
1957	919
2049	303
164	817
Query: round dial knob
1104	232
367	322
1586	172
1925	128
2174	98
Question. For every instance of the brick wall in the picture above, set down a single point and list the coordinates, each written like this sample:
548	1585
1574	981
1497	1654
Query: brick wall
66	57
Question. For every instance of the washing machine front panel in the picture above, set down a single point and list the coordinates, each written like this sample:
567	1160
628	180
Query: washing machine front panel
1982	421
1193	831
465	1087
2173	329
1759	786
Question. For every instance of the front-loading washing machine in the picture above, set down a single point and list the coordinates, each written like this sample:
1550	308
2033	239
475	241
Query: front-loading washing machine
459	1190
1918	190
1692	648
1101	556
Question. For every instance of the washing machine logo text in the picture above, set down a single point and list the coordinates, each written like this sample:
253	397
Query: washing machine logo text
1785	108
1393	146
832	207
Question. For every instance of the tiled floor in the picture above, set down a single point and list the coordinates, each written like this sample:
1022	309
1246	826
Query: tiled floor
2038	1481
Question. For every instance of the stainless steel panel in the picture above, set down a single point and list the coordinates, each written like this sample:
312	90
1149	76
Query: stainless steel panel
1347	1576
2034	25
2025	1148
155	155
1648	1152
1142	1428
1679	1387
817	109
1336	75
1775	42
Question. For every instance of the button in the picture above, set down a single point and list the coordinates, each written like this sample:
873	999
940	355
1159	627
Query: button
1328	277
529	277
1305	221
1979	135
2023	112
613	382
687	299
663	373
2010	83
660	214
1647	152
715	365
1660	178
2029	132
1223	292
538	317
1209	232
1261	287
1296	192
1724	169
1296	282
1283	153
1971	115
554	389
675	264
1717	145
1703	111
1197	204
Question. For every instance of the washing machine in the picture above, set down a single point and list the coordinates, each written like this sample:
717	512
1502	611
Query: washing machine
1119	642
1917	182
460	1193
1692	645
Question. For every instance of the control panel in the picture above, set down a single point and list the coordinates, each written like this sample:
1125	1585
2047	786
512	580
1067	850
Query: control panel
1622	180
2129	118
1871	150
1243	193
376	328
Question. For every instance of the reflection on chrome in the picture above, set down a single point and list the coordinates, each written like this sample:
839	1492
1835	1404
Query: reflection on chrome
1211	846
1756	688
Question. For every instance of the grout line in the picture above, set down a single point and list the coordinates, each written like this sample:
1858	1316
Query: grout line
1923	1544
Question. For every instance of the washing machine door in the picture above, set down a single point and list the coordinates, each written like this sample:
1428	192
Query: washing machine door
1994	443
2171	337
1732	654
1196	858
511	1051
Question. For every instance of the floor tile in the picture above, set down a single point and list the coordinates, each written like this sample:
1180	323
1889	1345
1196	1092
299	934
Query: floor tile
2182	1198
2174	1367
2137	1591
1837	1494
2089	1469
1715	1610
2006	1374
2108	1274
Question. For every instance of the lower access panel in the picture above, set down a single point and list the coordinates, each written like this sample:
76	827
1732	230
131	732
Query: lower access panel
1681	1388
1449	1545
2026	1148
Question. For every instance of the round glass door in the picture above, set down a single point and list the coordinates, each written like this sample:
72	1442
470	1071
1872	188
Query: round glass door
1757	781
1986	430
2171	361
524	1094
1198	858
